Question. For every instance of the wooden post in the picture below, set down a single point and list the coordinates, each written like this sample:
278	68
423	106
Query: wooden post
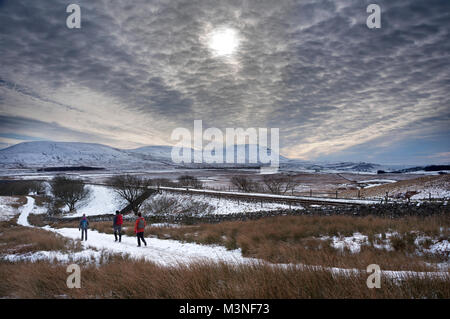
359	193
310	192
387	195
336	194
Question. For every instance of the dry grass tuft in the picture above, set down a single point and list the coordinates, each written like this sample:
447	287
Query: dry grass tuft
18	240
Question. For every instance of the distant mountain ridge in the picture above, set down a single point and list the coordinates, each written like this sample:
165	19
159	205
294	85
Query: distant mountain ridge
41	154
45	154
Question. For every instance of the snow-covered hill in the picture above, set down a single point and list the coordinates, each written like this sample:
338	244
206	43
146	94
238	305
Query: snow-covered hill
58	154
48	154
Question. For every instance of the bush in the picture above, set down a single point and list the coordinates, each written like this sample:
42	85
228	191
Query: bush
189	181
69	191
20	188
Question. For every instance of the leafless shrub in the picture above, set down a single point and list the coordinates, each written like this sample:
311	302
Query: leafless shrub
279	184
20	188
244	183
197	208
189	181
163	205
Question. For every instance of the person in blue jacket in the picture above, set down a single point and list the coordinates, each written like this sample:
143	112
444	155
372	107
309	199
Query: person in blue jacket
84	225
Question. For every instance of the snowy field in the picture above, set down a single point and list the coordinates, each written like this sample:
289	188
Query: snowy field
6	210
219	205
102	200
357	240
165	252
435	193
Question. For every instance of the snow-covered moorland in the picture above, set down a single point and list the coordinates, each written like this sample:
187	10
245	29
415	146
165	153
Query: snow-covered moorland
162	252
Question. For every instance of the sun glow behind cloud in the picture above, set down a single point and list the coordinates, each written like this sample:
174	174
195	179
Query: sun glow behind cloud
223	41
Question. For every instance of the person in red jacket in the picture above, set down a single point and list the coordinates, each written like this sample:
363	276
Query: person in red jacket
139	228
117	225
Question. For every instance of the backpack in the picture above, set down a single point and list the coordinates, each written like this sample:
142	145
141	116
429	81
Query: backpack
84	223
119	220
141	223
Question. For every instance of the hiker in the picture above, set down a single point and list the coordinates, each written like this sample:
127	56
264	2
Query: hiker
139	228
117	225
84	224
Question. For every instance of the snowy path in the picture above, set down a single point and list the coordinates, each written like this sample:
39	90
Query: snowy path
25	211
172	253
161	251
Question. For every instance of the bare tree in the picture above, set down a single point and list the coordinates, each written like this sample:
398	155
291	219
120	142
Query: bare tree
131	188
37	187
12	188
69	191
244	183
279	184
189	181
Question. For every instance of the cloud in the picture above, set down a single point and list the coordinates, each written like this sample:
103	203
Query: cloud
134	72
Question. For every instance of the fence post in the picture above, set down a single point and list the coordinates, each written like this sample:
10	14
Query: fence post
310	192
359	193
336	194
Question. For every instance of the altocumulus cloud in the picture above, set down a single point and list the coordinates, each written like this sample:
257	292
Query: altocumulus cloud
137	70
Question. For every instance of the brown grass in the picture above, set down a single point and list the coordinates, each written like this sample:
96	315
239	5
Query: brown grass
17	239
293	239
415	184
138	279
20	201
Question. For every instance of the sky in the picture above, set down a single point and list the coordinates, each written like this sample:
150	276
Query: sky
137	70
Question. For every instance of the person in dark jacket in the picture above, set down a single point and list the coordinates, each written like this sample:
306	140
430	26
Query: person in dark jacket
117	225
139	228
84	225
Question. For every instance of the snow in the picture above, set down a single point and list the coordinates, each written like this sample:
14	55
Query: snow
173	253
164	252
165	225
103	200
221	206
353	243
25	211
47	154
435	193
160	251
278	197
82	256
6	210
378	181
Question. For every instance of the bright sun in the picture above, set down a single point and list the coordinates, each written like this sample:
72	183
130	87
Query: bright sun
224	41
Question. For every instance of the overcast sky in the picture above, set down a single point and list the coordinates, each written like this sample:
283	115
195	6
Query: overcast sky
136	70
